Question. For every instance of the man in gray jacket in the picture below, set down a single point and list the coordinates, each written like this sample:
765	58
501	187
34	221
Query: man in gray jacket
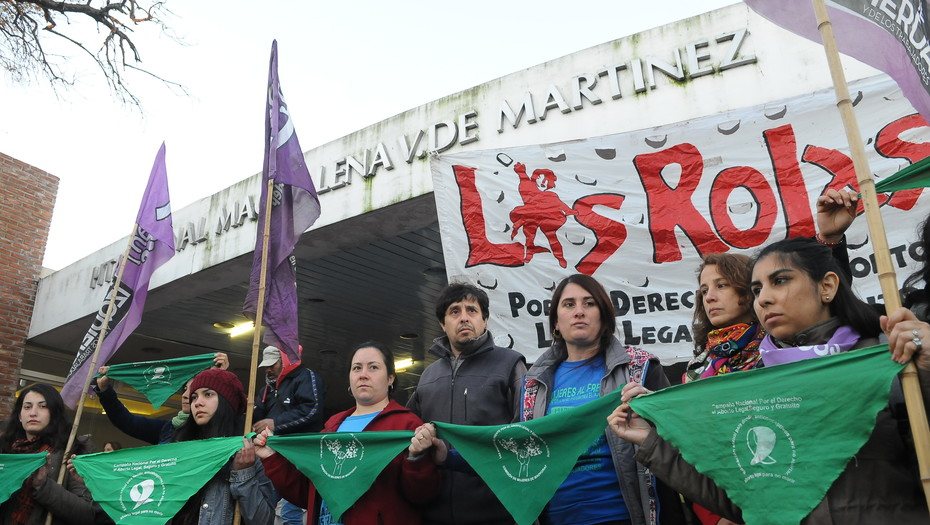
473	382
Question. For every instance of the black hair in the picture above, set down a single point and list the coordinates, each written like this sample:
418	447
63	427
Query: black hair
224	423
913	293
815	260
55	435
385	353
457	292
601	298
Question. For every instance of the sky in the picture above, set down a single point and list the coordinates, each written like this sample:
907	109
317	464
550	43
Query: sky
343	66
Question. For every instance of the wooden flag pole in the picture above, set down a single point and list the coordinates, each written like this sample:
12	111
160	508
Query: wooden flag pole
886	274
93	363
259	311
260	308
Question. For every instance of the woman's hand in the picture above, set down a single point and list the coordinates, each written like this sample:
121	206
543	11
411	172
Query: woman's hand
103	382
424	437
904	331
221	360
631	391
624	422
627	425
836	211
245	458
260	441
39	477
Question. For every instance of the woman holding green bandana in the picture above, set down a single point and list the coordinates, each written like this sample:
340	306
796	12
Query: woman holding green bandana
217	405
38	424
808	310
149	429
409	480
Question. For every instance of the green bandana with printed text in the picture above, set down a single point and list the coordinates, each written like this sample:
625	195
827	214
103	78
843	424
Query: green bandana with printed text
159	380
15	468
342	465
525	463
149	485
775	439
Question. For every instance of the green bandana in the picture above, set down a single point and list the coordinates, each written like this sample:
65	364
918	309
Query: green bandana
341	465
159	380
149	485
525	463
15	468
776	438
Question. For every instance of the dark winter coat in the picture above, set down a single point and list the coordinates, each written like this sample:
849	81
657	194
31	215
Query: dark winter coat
296	405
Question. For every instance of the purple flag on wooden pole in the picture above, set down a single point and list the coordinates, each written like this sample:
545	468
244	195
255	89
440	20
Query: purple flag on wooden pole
295	207
889	36
151	245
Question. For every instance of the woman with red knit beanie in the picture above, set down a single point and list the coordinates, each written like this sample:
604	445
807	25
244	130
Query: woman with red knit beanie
217	410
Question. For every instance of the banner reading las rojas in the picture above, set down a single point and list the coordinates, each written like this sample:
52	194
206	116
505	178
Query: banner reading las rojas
637	210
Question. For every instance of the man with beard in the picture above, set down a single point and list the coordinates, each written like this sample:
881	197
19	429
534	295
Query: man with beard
473	382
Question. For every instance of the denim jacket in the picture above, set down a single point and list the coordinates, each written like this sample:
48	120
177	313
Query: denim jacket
249	487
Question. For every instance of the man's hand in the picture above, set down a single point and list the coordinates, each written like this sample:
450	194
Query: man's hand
262	425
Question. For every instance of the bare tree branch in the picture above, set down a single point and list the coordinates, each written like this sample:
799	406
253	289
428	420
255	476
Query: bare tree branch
24	24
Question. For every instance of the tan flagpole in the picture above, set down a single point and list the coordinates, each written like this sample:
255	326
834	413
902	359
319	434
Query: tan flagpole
93	363
886	274
259	311
260	308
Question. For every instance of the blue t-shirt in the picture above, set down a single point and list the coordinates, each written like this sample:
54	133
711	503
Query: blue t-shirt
591	492
349	424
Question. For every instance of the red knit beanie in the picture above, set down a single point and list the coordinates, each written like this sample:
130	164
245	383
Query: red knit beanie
224	383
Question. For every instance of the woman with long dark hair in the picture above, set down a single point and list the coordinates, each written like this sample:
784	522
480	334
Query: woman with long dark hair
808	309
38	423
409	480
217	405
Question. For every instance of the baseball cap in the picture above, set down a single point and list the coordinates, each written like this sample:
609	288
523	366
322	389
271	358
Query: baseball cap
270	356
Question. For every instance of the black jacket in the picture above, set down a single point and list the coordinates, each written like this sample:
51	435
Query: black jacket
149	429
482	390
297	403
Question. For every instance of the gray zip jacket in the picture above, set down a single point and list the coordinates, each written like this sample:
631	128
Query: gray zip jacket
623	365
478	388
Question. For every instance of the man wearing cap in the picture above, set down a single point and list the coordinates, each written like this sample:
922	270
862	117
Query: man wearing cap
291	402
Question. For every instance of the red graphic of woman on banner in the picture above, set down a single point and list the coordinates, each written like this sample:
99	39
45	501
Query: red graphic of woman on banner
542	209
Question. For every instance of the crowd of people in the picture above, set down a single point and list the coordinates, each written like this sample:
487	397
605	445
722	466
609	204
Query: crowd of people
750	312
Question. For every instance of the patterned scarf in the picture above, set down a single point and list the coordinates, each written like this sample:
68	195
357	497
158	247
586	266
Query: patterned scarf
729	349
23	501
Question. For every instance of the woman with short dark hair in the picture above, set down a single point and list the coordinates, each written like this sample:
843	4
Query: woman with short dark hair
587	361
409	480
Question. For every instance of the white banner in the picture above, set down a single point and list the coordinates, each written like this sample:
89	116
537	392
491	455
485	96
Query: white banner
637	210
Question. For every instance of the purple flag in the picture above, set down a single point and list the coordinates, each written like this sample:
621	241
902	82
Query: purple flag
890	36
295	207
152	245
